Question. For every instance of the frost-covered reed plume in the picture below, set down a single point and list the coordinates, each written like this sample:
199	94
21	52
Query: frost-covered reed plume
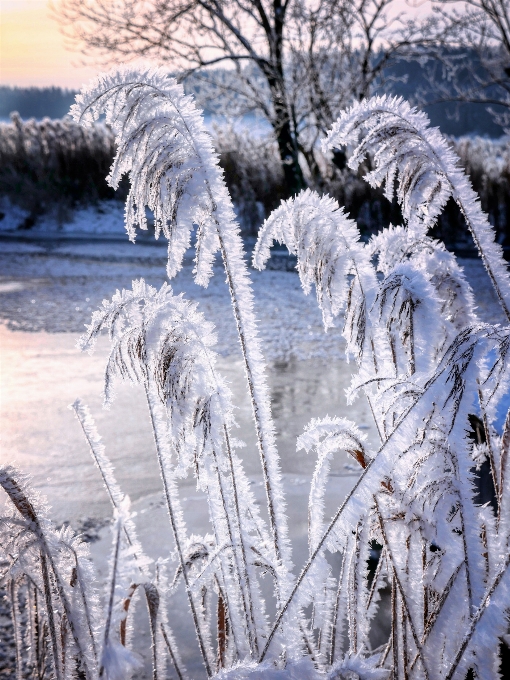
49	583
435	377
427	366
165	149
404	147
161	342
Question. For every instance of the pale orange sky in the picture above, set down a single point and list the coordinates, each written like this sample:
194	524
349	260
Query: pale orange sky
32	48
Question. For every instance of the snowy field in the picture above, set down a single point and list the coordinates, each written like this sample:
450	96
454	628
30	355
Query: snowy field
49	285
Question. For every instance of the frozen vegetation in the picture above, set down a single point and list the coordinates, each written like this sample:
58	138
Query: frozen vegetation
52	179
432	369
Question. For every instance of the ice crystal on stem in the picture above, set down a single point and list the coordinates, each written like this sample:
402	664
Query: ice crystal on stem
405	148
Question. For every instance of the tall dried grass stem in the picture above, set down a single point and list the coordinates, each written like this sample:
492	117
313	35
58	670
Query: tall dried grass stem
173	523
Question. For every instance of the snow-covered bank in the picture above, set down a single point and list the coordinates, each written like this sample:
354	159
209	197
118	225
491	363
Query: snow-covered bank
106	217
54	284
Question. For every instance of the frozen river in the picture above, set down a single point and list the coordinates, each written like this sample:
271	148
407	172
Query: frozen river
48	290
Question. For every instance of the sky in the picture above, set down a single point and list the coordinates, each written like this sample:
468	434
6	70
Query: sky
32	50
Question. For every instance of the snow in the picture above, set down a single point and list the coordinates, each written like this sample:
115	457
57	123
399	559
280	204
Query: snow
105	218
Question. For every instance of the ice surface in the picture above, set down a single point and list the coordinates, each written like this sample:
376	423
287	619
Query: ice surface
58	284
42	373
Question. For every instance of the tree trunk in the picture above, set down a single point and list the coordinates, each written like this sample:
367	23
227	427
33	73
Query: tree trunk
274	73
294	179
285	136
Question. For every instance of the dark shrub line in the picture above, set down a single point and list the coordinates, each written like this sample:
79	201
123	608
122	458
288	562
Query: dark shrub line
54	166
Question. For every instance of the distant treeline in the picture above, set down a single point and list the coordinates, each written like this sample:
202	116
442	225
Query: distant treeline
404	78
408	79
54	166
35	102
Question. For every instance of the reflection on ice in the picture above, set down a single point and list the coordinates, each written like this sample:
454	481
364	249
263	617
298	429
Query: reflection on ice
43	373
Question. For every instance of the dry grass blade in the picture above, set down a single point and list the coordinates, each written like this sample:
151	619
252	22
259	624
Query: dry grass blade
153	602
172	653
222	632
51	616
504	462
18	497
16	628
125	607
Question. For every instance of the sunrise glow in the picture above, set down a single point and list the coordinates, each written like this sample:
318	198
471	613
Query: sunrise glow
32	51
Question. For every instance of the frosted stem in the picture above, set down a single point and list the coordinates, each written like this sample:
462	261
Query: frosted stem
78	410
476	618
249	629
469	217
463	529
488	438
153	602
332	643
51	617
16	629
503	471
86	607
402	592
112	595
360	483
244	562
429	625
261	410
171	652
173	524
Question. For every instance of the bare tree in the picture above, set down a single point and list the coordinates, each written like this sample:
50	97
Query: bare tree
296	62
469	43
340	54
